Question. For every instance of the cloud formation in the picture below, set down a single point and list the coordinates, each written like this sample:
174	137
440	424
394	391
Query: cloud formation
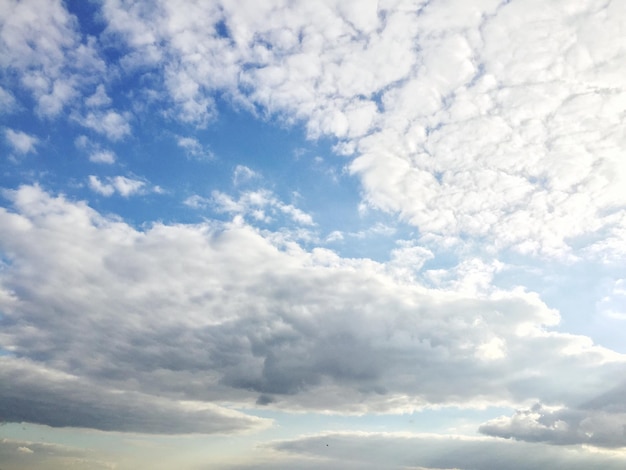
121	184
483	119
36	394
21	142
481	143
216	313
40	44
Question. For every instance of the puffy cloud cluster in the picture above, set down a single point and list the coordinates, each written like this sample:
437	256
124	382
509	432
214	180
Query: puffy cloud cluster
220	313
498	120
41	45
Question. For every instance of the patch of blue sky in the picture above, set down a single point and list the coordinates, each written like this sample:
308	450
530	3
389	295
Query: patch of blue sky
439	420
572	289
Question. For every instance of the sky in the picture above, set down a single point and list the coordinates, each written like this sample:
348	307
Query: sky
283	234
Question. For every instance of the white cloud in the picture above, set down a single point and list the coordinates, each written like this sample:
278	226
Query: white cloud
7	101
124	186
112	124
102	156
101	188
466	118
243	174
40	42
96	153
261	205
197	202
613	305
21	142
99	98
194	148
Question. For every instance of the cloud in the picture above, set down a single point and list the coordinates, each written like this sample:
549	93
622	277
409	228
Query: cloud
113	125
260	205
243	174
40	395
7	101
99	98
426	451
126	187
40	43
219	313
17	454
194	148
96	153
477	119
613	305
189	31
599	421
21	142
102	156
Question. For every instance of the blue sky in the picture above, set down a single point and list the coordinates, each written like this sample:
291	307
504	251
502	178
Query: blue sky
331	234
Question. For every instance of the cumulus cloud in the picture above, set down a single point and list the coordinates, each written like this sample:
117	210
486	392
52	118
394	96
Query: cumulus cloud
221	312
21	142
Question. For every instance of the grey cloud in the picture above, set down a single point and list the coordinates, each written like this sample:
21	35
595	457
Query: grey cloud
30	393
397	451
600	421
17	455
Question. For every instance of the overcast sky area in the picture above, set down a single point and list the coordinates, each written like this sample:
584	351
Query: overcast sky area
278	234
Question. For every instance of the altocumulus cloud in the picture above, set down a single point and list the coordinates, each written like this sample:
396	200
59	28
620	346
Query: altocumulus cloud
463	118
251	319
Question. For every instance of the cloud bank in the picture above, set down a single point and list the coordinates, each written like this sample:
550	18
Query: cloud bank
221	313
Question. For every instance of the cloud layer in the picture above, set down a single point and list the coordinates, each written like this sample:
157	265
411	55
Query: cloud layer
427	451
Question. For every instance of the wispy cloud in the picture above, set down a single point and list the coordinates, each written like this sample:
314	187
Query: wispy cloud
194	148
96	153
